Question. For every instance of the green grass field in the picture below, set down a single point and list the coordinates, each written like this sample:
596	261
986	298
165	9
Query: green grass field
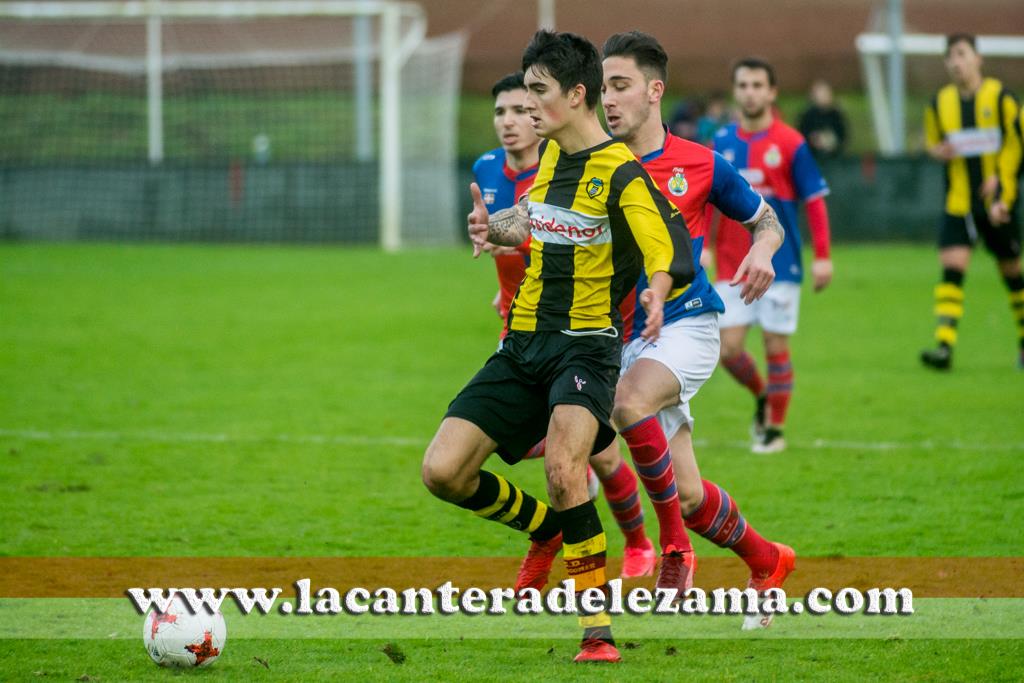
197	401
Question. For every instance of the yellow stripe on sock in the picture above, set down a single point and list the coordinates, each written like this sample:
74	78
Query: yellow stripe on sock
948	291
538	517
948	309
514	510
591	546
596	620
946	334
503	493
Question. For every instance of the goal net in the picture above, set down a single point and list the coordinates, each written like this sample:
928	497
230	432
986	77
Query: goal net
227	121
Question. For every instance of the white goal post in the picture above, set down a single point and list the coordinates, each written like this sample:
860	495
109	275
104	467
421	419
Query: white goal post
401	29
873	47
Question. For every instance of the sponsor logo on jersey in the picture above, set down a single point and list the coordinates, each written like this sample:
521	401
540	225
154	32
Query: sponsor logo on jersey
558	225
693	303
579	382
595	187
773	157
677	184
574	232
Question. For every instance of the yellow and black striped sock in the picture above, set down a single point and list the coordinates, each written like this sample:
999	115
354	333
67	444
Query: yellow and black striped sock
949	306
1016	286
584	552
498	500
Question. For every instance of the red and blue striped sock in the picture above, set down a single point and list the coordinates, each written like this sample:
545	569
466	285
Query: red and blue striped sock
649	448
623	496
780	387
744	369
718	519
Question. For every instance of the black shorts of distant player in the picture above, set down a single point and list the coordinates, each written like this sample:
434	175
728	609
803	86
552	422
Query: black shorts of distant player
1002	241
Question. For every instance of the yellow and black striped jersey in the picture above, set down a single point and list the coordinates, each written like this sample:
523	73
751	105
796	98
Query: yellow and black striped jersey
985	135
596	219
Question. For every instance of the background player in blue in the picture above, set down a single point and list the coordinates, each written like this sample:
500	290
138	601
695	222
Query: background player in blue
777	162
504	175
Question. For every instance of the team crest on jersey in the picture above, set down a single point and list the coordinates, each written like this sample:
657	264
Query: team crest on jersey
677	184
595	187
489	196
729	155
773	157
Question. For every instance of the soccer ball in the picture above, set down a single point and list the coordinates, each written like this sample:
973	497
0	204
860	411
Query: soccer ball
179	638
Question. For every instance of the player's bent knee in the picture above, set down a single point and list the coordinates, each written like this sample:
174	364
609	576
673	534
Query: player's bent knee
442	480
631	406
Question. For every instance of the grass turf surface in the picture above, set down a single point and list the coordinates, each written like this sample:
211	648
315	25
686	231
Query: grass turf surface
217	401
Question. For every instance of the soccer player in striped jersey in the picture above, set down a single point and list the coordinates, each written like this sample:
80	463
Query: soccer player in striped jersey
596	221
503	175
652	401
778	163
972	126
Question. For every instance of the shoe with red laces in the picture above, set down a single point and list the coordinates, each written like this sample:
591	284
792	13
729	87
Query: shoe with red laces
676	570
639	560
595	650
784	566
533	572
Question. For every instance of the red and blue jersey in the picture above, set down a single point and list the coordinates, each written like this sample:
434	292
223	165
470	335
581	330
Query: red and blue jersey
691	176
778	164
501	187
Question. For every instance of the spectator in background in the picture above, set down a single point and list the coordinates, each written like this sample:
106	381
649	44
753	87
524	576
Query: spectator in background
823	123
716	115
684	120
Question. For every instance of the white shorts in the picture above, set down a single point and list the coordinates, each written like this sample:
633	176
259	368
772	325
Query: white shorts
777	311
689	348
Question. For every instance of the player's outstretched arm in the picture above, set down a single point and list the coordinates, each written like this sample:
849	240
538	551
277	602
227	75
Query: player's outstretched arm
756	272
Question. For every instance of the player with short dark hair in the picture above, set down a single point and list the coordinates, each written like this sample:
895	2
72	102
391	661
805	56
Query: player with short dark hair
660	379
504	175
778	163
972	127
596	221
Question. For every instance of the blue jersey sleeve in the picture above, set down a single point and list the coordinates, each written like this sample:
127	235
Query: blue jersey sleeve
731	193
807	178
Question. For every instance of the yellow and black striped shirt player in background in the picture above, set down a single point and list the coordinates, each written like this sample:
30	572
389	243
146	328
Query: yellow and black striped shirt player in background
595	218
973	125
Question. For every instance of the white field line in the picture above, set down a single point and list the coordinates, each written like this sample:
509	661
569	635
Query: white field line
421	442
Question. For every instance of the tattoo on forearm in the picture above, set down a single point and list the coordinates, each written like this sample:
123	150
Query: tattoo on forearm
768	221
509	227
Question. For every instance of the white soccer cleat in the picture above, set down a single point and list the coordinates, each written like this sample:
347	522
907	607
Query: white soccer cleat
771	443
754	622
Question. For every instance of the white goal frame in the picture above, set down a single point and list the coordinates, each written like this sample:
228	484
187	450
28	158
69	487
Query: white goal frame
873	47
395	49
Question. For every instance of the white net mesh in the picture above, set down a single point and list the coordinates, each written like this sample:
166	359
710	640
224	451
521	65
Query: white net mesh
269	130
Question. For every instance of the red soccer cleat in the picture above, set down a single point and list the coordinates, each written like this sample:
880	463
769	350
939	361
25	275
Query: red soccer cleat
676	570
601	651
639	560
783	568
533	572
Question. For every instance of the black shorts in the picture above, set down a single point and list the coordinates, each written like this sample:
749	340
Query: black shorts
512	396
1002	241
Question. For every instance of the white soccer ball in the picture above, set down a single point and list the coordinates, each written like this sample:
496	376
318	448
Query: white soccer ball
179	638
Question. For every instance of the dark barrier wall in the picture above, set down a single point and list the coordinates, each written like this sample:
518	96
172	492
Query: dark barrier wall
872	200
